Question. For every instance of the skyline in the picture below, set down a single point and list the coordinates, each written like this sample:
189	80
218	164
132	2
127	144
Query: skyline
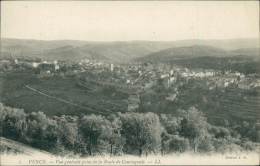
129	21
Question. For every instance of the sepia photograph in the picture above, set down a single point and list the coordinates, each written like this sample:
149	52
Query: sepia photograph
130	83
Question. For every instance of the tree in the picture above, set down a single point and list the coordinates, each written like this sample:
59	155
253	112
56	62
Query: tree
116	140
13	122
68	129
40	127
95	131
255	133
142	133
244	129
178	144
193	126
223	133
205	146
220	145
248	145
171	124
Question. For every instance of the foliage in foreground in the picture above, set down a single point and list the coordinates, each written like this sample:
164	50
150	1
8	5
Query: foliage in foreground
131	133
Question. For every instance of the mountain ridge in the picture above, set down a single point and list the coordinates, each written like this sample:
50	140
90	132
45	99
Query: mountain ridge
196	51
118	51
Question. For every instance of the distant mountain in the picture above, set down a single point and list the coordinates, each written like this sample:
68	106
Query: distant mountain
196	51
126	51
184	52
247	51
226	44
25	45
121	51
72	53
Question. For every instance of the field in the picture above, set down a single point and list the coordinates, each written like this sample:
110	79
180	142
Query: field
233	104
56	96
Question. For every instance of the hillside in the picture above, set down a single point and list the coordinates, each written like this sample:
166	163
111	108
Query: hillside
227	44
243	64
126	51
246	51
185	52
25	45
194	51
21	148
120	51
70	52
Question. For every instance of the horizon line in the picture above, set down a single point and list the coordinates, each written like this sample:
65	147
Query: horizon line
126	40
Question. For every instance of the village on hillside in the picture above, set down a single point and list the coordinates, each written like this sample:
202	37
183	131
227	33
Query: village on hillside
139	77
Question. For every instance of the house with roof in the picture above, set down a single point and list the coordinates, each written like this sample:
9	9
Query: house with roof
256	82
199	74
221	83
209	73
184	74
244	85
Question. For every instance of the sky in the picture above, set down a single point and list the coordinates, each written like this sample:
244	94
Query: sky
129	20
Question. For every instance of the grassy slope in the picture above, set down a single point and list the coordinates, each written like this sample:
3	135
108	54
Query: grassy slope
15	94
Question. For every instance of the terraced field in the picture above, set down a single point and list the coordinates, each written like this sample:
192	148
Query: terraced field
78	98
237	105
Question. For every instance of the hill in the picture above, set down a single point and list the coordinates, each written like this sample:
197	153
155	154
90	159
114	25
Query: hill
226	44
21	148
243	64
196	51
120	51
247	51
70	52
185	52
126	51
25	45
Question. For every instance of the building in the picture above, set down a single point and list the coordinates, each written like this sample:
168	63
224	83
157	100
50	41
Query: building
48	66
34	64
192	73
221	83
47	69
112	67
242	76
256	82
209	73
237	73
171	72
199	74
244	85
150	84
172	80
184	74
164	75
